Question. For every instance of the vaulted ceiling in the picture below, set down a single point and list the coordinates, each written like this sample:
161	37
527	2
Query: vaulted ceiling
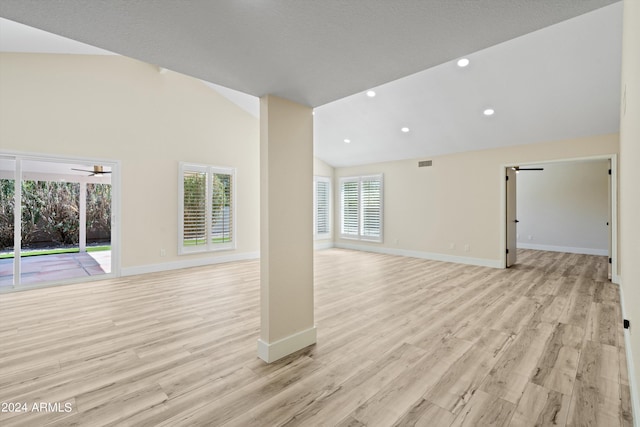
546	75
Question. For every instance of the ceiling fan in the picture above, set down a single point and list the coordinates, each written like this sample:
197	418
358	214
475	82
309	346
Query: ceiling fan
97	171
518	168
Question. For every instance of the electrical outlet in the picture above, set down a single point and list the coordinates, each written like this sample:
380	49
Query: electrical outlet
452	245
530	237
163	252
467	248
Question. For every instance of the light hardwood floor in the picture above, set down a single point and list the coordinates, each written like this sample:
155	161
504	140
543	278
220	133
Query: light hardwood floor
401	341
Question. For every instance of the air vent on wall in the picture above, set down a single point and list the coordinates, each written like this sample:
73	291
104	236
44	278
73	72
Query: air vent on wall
424	163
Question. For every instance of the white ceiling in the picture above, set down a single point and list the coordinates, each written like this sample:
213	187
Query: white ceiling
556	83
560	82
16	37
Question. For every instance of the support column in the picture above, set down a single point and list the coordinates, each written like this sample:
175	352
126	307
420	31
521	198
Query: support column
83	217
629	230
286	228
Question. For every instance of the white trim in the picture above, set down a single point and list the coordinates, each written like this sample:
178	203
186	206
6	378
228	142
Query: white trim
631	373
503	215
57	158
17	221
615	279
424	255
270	352
614	216
82	239
323	244
116	214
568	249
187	263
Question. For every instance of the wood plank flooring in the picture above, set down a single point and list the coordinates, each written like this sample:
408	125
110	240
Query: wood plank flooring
401	341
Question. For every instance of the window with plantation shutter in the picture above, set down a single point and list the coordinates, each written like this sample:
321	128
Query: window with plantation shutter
361	207
349	207
207	208
321	207
371	207
195	209
221	202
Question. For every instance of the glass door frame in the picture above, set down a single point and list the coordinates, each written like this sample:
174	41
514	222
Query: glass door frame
18	158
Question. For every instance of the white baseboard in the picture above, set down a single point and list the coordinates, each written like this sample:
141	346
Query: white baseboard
187	263
270	352
567	249
322	244
633	385
424	255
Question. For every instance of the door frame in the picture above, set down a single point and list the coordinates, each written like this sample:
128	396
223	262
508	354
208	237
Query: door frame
115	210
511	183
614	205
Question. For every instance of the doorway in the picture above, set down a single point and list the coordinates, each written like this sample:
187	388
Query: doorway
568	207
57	220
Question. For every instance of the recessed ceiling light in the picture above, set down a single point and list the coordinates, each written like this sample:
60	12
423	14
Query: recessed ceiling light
405	129
371	93
463	62
347	141
488	112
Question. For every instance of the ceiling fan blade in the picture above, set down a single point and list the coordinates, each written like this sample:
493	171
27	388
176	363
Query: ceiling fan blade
92	172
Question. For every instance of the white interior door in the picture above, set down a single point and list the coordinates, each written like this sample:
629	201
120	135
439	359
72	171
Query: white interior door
512	221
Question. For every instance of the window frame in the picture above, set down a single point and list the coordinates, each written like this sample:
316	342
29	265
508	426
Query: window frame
209	172
327	181
360	209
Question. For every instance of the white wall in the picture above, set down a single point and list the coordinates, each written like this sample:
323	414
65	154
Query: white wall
321	168
630	192
118	108
453	209
564	207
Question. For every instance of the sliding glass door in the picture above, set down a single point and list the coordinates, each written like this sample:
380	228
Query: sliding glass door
65	220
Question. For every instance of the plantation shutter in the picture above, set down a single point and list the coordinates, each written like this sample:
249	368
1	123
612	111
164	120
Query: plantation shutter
194	210
361	207
221	204
349	194
371	202
207	208
322	225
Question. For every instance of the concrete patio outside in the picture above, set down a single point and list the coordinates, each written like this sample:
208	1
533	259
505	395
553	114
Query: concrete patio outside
59	267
